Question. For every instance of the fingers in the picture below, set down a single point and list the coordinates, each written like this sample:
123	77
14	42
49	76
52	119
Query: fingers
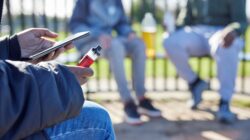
227	42
45	43
56	53
48	57
228	39
34	61
37	39
88	72
43	32
132	36
81	74
105	40
85	72
69	46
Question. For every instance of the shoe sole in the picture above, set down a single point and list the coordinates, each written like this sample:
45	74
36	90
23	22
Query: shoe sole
133	121
224	120
148	113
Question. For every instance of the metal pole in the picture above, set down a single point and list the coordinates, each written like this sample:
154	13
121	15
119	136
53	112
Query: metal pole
9	16
34	23
22	17
45	22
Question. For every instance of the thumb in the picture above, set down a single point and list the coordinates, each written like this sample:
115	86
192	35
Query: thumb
80	71
39	32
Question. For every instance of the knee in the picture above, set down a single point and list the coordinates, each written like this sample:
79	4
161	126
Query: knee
237	45
96	114
139	44
170	44
138	48
115	44
230	52
116	49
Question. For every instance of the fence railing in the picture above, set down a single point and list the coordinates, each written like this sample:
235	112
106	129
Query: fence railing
161	76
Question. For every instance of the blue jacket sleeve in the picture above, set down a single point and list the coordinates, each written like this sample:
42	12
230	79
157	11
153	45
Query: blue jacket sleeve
34	97
123	27
10	48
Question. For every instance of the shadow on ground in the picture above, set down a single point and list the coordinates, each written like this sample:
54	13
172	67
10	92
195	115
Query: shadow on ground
162	129
178	122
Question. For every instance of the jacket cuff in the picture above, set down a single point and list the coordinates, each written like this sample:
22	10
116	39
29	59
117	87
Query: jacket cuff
14	48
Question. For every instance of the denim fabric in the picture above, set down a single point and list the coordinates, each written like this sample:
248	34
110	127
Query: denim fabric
93	123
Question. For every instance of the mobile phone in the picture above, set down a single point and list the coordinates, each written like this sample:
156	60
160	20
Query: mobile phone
59	44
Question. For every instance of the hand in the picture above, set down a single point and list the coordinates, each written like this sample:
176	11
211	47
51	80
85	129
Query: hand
228	36
82	74
34	40
105	40
132	36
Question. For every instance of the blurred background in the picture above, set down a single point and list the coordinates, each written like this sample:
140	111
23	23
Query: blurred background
161	76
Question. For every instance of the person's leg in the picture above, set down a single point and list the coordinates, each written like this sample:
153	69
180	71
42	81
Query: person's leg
180	46
93	123
136	50
116	54
227	63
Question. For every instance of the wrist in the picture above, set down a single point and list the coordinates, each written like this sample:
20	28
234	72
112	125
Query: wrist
14	47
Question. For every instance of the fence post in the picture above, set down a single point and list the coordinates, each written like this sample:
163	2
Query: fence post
34	23
55	20
9	16
45	22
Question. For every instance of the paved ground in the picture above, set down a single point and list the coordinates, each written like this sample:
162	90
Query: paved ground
178	121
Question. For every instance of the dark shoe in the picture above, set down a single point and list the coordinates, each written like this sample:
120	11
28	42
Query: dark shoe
132	117
146	108
224	115
196	88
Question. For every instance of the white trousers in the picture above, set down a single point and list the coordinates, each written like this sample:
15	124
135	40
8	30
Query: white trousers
203	40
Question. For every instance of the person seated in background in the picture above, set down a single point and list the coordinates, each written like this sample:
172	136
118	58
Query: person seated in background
101	17
209	27
45	100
